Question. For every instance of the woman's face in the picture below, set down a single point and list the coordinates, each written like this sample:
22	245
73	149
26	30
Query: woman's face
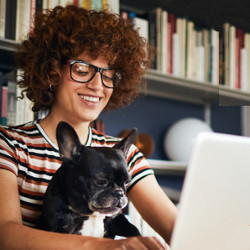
81	102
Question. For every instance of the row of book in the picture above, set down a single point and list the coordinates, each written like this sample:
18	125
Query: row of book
13	110
182	50
16	16
202	54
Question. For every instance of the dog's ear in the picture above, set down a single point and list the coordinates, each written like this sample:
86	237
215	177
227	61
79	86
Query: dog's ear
68	141
126	143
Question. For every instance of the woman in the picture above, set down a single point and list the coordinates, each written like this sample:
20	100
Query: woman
76	63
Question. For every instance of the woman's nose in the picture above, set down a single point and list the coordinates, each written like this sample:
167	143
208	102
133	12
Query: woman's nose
96	82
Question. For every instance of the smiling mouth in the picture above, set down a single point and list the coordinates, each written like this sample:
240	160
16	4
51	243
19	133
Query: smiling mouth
90	98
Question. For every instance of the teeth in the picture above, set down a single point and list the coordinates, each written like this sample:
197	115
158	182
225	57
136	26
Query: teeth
90	98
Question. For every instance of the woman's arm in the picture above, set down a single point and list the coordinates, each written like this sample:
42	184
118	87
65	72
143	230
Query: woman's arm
14	235
154	206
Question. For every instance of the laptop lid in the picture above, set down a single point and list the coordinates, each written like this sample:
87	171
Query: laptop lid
214	212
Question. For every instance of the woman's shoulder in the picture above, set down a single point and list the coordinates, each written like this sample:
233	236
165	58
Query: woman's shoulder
22	130
26	128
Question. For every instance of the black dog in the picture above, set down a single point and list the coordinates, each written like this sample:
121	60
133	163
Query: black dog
87	193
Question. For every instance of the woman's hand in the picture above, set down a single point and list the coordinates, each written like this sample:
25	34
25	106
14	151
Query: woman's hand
137	243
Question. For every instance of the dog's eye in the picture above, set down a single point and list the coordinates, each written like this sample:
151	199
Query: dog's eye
127	183
101	182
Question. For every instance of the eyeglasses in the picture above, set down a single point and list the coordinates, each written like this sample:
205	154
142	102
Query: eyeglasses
81	71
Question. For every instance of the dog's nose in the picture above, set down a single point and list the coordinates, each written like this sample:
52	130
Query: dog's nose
118	193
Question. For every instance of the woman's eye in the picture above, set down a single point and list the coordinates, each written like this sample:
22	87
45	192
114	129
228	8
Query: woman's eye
81	72
101	182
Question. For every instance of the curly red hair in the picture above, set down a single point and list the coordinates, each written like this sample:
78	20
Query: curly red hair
66	32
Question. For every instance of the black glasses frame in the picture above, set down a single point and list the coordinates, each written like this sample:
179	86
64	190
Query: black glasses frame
116	80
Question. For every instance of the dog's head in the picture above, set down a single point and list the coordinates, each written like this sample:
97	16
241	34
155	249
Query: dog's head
96	177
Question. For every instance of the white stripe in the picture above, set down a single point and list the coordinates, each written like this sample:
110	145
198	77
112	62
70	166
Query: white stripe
32	174
33	201
142	174
46	137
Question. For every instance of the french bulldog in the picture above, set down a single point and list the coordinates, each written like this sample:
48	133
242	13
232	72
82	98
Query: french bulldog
88	192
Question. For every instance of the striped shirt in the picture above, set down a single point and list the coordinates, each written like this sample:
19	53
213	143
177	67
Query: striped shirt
27	151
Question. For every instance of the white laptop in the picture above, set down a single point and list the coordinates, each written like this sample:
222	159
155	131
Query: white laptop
214	212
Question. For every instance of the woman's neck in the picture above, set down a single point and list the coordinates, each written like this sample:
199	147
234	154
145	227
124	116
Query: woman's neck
50	122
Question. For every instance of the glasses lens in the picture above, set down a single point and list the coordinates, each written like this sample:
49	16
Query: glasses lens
109	78
82	72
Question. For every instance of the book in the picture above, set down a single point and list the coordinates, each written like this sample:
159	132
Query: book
152	34
246	64
11	115
158	12
231	64
4	105
206	54
238	48
226	38
179	47
215	57
221	58
112	5
65	2
10	20
200	74
39	5
1	84
190	50
2	18
87	4
52	4
164	40
142	26
22	19
96	5
32	14
170	34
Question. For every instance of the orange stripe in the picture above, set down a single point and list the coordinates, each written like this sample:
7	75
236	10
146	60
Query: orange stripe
7	168
8	151
29	192
140	169
40	183
132	154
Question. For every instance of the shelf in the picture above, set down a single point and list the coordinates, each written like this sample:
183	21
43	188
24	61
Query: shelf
8	45
188	90
167	167
8	49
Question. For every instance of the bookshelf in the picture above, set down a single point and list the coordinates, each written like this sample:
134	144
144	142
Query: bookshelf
159	84
188	90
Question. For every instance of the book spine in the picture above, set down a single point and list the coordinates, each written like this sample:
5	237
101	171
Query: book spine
32	14
10	21
11	116
226	37
152	34
39	5
1	85
232	31
4	103
164	39
2	18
